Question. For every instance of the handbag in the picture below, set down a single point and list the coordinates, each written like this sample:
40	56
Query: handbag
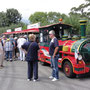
28	48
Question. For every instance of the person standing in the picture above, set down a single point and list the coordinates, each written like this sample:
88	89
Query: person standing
13	43
32	57
16	49
1	54
20	42
25	36
8	47
3	42
53	51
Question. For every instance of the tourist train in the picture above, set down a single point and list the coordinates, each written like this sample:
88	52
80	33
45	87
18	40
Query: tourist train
74	51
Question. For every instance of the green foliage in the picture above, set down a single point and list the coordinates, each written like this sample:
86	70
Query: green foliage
12	27
10	19
88	28
74	21
83	11
53	17
24	27
13	16
3	19
39	17
45	18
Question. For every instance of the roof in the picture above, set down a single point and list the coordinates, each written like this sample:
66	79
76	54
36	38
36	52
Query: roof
57	24
23	31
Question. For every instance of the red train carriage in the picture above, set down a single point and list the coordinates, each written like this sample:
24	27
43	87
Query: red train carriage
74	55
23	32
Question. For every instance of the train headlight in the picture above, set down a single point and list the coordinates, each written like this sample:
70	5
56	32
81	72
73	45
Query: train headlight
79	57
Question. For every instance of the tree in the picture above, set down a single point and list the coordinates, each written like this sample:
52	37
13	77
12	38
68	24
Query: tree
46	18
12	27
10	19
3	19
82	10
53	17
39	17
13	16
74	21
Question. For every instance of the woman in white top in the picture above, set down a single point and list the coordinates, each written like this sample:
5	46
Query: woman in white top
20	42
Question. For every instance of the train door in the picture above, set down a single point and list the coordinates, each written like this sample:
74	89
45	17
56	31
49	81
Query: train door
44	46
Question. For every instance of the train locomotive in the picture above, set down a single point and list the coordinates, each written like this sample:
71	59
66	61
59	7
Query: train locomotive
74	53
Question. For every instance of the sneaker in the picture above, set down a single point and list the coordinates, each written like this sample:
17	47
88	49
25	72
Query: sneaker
28	79
10	60
51	77
34	80
54	79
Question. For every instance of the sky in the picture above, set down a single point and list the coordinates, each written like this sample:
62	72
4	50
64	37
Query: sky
28	7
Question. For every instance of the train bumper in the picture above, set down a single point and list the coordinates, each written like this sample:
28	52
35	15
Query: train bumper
81	69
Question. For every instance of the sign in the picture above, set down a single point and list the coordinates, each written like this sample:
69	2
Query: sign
9	30
18	29
36	25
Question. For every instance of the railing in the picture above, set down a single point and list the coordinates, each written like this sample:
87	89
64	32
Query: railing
69	53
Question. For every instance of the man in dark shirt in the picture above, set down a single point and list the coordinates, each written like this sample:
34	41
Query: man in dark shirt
53	51
32	57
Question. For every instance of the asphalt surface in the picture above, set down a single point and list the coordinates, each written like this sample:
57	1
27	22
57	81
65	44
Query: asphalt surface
14	77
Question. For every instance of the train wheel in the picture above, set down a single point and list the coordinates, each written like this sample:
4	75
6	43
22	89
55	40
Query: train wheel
68	69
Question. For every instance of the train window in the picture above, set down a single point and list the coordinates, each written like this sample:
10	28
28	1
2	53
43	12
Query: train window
58	31
41	37
57	34
44	37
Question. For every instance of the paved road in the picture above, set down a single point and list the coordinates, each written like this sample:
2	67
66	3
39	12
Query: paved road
13	77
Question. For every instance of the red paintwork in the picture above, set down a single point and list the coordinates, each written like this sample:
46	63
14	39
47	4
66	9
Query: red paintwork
68	43
23	31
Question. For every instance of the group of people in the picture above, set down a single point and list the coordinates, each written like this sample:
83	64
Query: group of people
11	46
29	48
